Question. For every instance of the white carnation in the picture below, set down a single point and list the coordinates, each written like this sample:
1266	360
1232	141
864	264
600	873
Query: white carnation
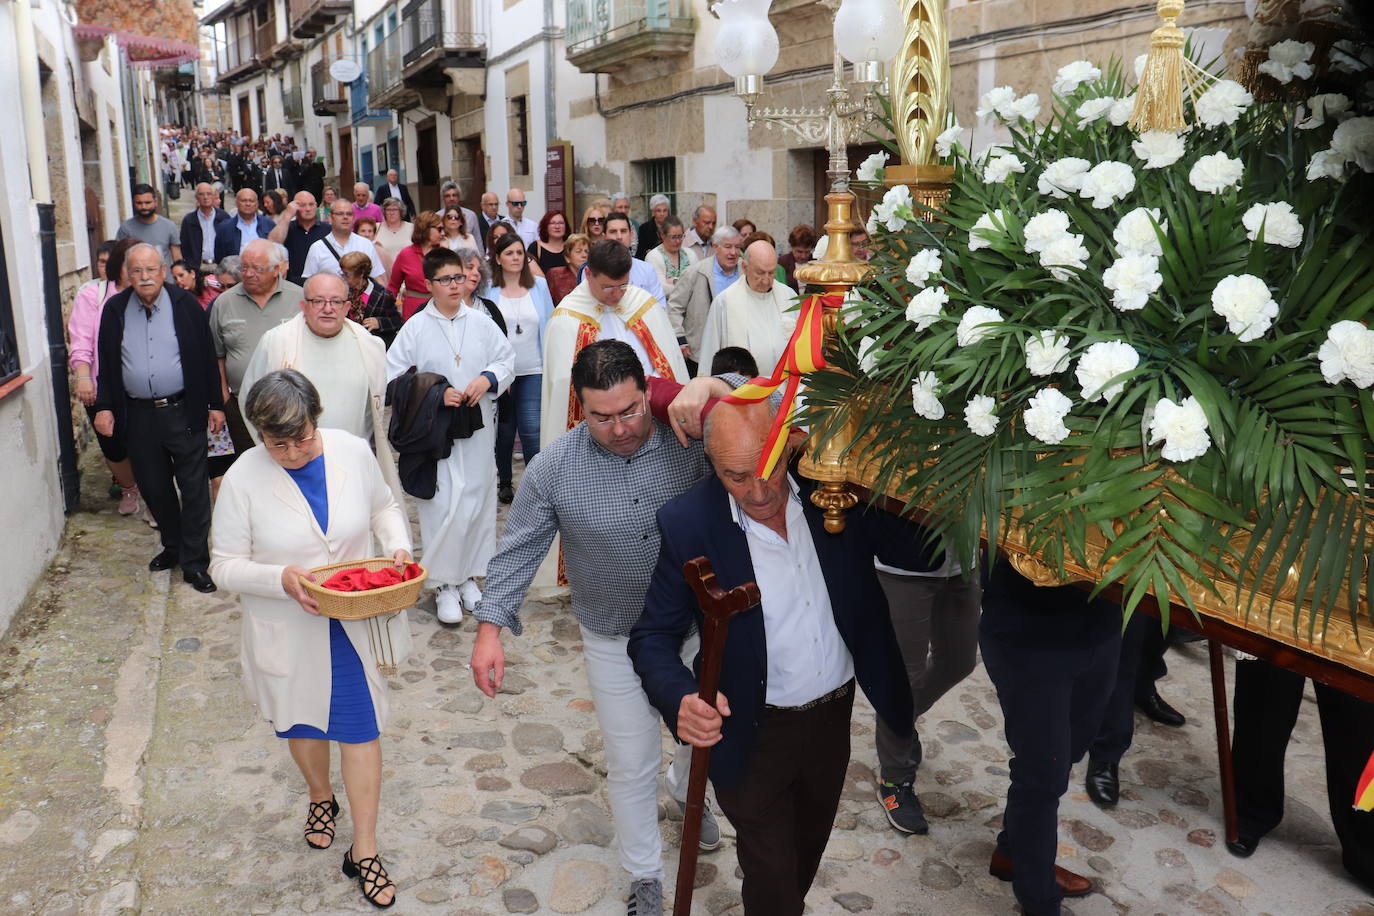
1247	305
1159	148
923	266
895	208
1222	103
924	397
1027	107
1062	253
1063	177
1135	234
1353	141
1182	427
1047	352
987	226
999	167
1132	278
1045	413
976	324
1093	110
1215	173
1326	164
871	169
1280	223
1073	75
950	138
1106	183
1138	65
1102	362
926	307
870	226
1120	113
979	416
1324	107
993	100
1348	353
868	354
1044	228
1289	60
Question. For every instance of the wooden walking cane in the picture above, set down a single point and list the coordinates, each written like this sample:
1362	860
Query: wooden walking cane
717	607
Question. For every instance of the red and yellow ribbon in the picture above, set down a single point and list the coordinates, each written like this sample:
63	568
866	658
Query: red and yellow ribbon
804	354
1364	789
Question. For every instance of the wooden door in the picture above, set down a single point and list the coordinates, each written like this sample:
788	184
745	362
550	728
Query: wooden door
346	179
245	117
427	164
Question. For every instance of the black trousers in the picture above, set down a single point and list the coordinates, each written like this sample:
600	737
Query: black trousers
1142	663
784	807
168	456
1267	701
1053	699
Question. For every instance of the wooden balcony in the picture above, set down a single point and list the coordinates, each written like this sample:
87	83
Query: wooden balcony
311	18
437	37
605	35
327	95
385	88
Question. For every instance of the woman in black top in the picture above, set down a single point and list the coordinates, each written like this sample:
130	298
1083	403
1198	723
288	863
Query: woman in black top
553	235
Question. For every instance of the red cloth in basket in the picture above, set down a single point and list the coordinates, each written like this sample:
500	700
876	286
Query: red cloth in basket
362	580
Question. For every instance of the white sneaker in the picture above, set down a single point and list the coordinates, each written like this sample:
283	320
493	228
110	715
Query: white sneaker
450	607
470	595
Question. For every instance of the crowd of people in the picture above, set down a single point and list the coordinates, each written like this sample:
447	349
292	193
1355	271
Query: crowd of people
244	402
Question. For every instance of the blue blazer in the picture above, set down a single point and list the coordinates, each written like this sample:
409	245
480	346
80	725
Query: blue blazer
699	523
227	234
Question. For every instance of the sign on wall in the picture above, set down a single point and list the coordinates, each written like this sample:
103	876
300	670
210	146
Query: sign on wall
558	179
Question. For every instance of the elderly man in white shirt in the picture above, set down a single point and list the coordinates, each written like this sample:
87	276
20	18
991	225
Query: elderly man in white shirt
324	255
757	314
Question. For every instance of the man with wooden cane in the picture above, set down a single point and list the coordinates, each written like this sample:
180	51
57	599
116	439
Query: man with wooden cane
779	730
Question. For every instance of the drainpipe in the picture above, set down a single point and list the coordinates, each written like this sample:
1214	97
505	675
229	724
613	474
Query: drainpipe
31	97
550	97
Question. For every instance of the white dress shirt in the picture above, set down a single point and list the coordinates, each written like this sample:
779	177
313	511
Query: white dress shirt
527	229
207	236
320	258
807	657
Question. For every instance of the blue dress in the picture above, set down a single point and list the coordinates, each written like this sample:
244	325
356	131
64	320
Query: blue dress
352	719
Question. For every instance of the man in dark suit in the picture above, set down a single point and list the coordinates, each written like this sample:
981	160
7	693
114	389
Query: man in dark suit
234	234
161	389
311	175
274	177
780	730
198	227
391	187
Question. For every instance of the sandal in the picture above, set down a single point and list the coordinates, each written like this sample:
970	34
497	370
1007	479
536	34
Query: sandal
369	871
320	819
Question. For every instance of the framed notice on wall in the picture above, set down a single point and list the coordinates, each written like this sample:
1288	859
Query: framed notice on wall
558	179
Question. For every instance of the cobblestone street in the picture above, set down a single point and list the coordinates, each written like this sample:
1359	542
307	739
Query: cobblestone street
135	777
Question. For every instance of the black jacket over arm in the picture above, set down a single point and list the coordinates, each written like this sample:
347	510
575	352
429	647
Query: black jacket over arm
699	523
199	366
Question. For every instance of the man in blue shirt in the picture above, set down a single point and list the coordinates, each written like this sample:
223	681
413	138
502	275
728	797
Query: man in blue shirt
233	235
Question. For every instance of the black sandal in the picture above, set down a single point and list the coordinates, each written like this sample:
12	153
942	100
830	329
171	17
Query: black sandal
320	819
369	871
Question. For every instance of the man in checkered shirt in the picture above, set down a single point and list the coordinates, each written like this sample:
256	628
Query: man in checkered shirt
600	486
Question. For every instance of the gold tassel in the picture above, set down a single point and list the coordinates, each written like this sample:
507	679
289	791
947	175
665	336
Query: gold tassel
1159	98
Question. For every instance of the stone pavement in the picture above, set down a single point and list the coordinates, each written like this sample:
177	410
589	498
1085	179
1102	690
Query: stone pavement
136	778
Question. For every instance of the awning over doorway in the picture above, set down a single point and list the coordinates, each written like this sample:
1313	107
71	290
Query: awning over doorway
154	33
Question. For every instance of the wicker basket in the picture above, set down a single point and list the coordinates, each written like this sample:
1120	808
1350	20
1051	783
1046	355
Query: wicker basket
362	605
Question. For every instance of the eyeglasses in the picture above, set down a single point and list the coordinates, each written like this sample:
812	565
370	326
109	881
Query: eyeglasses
319	303
452	216
283	447
675	237
515	203
245	269
619	418
615	289
596	219
449	279
143	271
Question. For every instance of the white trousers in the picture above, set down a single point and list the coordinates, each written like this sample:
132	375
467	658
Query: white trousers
633	738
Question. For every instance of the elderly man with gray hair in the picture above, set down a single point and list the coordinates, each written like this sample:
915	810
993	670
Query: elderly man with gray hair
242	315
700	284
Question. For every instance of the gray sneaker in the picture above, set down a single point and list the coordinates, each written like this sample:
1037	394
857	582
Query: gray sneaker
709	841
646	898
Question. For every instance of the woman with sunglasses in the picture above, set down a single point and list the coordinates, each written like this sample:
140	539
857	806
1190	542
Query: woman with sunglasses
407	271
594	223
456	234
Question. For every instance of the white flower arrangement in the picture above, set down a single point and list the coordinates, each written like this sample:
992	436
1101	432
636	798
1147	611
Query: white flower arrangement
923	266
1160	149
1063	177
984	229
1044	416
994	102
1215	172
1047	353
895	208
953	136
1093	110
1133	279
1026	108
1066	251
979	416
1288	60
1119	115
1136	233
868	354
1348	354
1246	303
1222	103
1044	228
1328	106
976	324
925	397
926	307
1106	183
1102	362
1279	222
1353	141
872	168
1182	427
1326	164
1000	166
1072	75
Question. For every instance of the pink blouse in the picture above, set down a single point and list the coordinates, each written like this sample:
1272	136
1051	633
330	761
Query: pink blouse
84	326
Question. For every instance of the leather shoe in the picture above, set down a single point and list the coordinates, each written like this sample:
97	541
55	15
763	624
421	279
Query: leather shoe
1070	884
1103	782
199	580
1155	708
165	560
1244	846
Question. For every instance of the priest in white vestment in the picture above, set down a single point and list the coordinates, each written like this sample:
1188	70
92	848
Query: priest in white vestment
453	339
758	314
604	306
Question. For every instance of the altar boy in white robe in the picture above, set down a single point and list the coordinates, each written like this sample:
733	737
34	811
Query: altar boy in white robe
756	314
452	338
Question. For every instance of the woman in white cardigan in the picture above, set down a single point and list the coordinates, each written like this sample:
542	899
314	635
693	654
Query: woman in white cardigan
310	497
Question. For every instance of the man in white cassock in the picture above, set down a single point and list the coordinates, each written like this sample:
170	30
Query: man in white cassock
604	306
453	339
756	314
